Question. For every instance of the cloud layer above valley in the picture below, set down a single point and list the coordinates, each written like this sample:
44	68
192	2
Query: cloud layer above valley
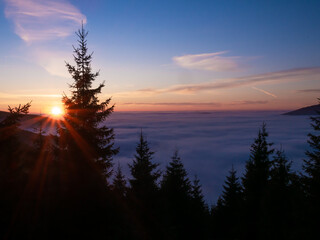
209	142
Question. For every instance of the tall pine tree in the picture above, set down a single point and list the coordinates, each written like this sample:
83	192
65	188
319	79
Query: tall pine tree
280	199
143	170
144	192
226	218
86	148
84	135
231	194
257	174
199	212
176	195
119	183
175	179
311	179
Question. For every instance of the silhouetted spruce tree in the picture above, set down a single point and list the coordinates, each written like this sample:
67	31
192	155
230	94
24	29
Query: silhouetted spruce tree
121	222
196	194
13	172
278	213
9	128
10	146
83	134
119	183
86	148
231	194
199	211
257	174
144	192
216	220
227	218
176	194
143	170
311	179
175	179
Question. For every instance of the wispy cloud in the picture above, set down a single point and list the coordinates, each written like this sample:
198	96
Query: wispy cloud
177	104
308	91
292	75
208	61
12	95
248	102
265	92
206	104
52	61
39	20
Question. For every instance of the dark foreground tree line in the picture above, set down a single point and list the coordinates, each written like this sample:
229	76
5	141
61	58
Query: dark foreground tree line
66	187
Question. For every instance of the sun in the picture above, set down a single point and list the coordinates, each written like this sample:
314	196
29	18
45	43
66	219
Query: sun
56	111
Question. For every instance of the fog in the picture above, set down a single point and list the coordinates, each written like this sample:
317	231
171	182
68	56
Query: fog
209	143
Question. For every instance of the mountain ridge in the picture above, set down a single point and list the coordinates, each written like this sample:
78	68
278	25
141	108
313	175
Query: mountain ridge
309	110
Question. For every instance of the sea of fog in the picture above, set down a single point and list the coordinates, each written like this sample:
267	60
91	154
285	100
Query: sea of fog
209	143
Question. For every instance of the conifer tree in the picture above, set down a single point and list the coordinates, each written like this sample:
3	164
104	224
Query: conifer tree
83	134
280	172
257	174
121	221
231	195
143	170
144	192
175	179
176	194
280	199
257	170
311	177
228	210
199	212
312	163
85	151
13	174
119	183
9	127
196	191
217	223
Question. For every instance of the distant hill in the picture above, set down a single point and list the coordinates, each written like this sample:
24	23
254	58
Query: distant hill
3	114
310	110
34	121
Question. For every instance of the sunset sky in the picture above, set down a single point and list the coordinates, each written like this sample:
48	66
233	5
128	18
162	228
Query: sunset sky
165	55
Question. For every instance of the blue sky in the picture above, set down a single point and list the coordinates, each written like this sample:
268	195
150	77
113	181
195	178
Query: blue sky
165	55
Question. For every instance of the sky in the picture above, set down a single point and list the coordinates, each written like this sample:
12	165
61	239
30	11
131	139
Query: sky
165	55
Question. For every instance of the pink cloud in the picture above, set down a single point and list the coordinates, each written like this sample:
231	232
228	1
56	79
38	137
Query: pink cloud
39	20
292	75
208	61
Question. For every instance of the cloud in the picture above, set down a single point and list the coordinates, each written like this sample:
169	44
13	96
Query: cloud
309	91
39	20
298	74
248	102
177	104
18	96
210	143
265	92
208	61
52	61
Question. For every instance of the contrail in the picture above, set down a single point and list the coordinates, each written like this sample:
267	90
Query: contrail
265	92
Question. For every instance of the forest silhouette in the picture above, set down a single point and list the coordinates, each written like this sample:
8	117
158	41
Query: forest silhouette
66	186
